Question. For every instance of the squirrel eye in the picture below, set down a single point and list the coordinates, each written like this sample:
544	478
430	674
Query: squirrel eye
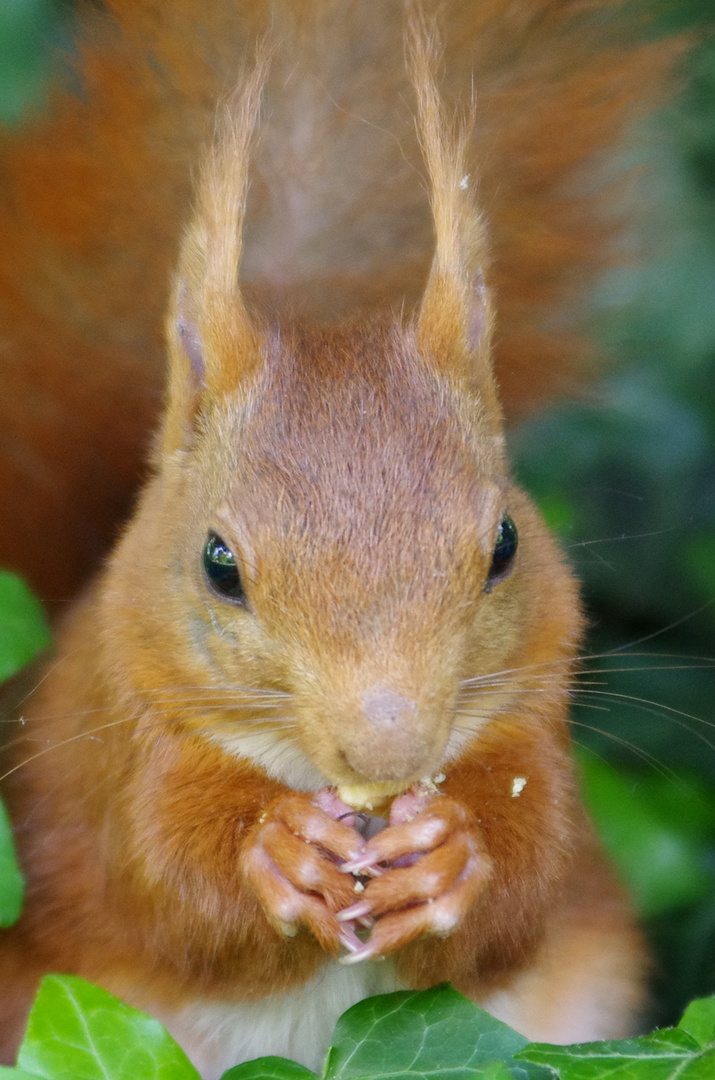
504	552
221	570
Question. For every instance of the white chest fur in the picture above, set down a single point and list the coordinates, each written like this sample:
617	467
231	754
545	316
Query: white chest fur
297	1025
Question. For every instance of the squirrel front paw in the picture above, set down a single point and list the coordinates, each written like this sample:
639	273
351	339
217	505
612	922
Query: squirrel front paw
292	864
427	870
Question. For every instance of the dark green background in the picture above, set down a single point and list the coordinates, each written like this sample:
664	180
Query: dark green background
628	480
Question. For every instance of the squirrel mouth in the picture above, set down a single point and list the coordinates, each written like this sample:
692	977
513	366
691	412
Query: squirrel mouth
376	797
370	795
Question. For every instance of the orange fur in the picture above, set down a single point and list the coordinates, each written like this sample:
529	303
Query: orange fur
174	784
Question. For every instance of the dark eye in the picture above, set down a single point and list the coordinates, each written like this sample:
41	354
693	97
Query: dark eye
221	570
504	552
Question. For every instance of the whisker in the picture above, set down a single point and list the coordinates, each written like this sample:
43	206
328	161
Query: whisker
654	708
283	724
275	723
178	703
64	742
218	690
211	705
488	714
665	629
621	537
702	662
677	716
51	668
638	751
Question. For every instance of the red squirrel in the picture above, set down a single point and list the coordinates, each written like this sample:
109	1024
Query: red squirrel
331	605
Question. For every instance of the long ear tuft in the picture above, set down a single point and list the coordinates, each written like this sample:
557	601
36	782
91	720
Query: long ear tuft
455	315
213	344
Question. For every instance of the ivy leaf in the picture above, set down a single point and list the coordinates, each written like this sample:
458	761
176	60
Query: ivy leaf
23	627
699	1021
79	1032
268	1068
668	1054
413	1035
12	886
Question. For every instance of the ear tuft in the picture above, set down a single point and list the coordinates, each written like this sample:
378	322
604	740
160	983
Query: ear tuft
455	318
212	342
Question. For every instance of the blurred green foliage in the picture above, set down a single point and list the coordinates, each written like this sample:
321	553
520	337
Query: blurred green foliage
29	32
627	477
658	827
23	633
23	626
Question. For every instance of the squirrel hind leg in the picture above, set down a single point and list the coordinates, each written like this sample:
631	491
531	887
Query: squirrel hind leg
587	979
583	987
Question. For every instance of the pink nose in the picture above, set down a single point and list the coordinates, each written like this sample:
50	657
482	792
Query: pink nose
386	742
384	709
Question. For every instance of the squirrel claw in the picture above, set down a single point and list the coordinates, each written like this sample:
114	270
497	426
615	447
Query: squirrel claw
356	956
350	941
363	864
356	911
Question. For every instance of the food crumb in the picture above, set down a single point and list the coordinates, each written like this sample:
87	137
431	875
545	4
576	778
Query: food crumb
517	786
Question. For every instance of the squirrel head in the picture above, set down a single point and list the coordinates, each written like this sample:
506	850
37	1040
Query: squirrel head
332	545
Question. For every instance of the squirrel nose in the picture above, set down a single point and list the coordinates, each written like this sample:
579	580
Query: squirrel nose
387	742
384	709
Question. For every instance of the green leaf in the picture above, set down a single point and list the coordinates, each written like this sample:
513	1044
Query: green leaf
669	1054
79	1032
700	1068
419	1034
699	1021
269	1068
23	627
9	1073
12	886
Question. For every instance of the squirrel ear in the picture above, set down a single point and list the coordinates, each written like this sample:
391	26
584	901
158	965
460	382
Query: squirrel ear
187	329
454	331
455	317
455	324
213	345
